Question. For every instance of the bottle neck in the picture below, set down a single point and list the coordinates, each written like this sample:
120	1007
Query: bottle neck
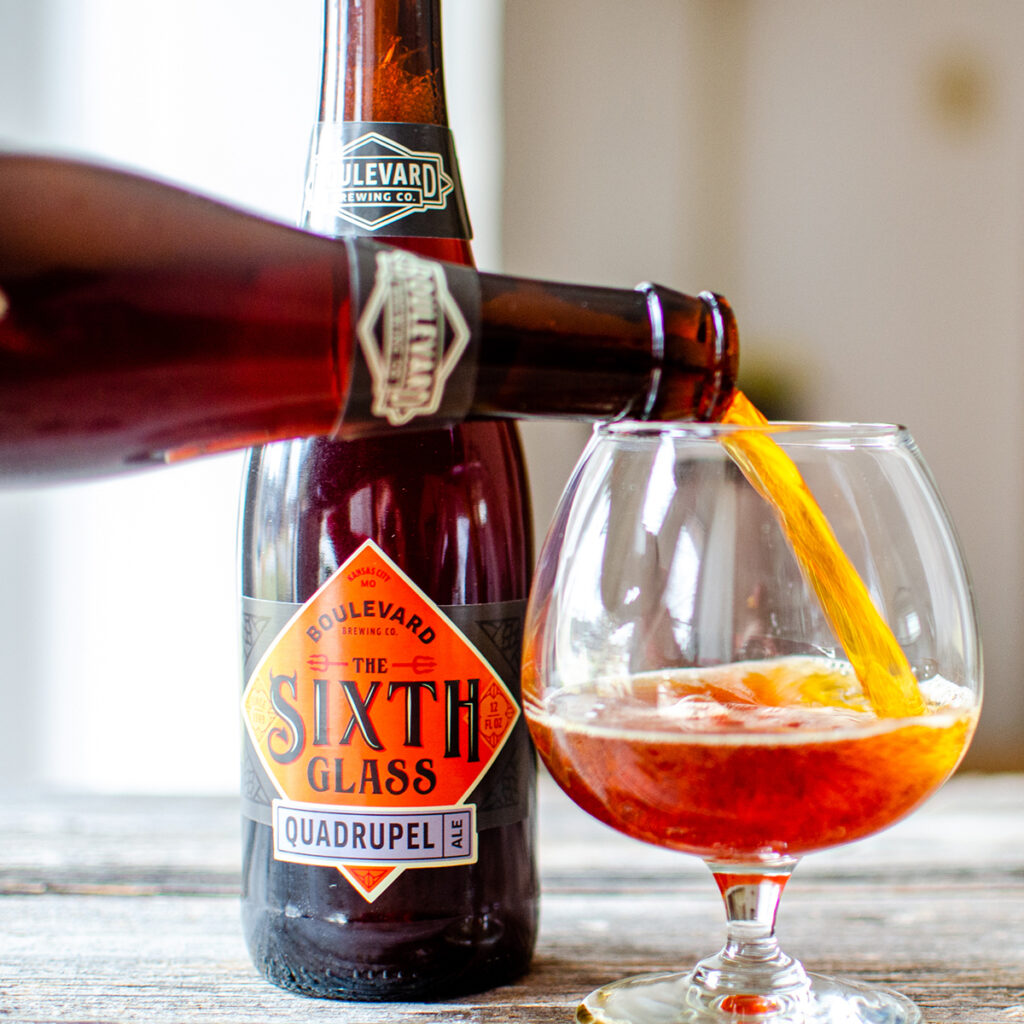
650	353
437	344
383	162
382	62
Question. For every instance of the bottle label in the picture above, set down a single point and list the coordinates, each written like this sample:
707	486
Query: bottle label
380	736
384	179
417	330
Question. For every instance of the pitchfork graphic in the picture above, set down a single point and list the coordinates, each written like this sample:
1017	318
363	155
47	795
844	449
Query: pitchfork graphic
420	664
320	662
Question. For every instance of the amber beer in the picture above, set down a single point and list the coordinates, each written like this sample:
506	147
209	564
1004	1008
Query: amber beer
754	761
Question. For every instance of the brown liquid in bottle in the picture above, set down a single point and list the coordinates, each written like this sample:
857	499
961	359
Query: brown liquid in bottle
448	506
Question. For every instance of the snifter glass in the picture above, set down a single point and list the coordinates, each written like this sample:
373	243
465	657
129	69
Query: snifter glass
709	672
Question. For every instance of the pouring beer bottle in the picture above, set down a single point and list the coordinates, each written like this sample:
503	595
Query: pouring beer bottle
141	324
388	779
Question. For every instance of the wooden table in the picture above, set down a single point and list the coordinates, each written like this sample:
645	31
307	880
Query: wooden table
126	910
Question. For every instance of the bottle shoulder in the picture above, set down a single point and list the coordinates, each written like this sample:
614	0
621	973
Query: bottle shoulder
451	506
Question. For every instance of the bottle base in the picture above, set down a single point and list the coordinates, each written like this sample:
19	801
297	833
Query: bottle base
675	998
292	958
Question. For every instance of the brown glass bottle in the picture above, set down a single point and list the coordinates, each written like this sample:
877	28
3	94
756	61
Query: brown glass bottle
140	323
449	509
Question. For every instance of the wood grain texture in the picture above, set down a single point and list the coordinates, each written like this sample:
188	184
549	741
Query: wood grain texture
125	910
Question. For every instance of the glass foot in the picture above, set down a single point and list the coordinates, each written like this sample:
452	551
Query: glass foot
671	998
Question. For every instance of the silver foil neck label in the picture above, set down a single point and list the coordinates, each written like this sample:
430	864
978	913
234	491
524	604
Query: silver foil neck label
412	334
382	179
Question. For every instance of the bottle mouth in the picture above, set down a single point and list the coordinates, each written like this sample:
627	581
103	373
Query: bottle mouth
717	337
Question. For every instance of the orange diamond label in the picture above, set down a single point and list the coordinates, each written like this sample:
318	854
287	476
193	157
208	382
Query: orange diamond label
375	717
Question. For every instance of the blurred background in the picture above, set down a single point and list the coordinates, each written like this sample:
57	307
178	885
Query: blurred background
849	174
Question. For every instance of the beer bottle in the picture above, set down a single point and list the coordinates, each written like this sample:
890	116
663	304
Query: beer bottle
141	324
389	843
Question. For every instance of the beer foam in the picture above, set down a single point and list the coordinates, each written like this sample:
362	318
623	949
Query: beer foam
786	700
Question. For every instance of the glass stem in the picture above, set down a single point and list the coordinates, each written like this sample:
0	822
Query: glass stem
751	974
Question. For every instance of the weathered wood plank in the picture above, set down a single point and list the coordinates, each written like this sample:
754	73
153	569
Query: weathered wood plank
164	958
126	910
